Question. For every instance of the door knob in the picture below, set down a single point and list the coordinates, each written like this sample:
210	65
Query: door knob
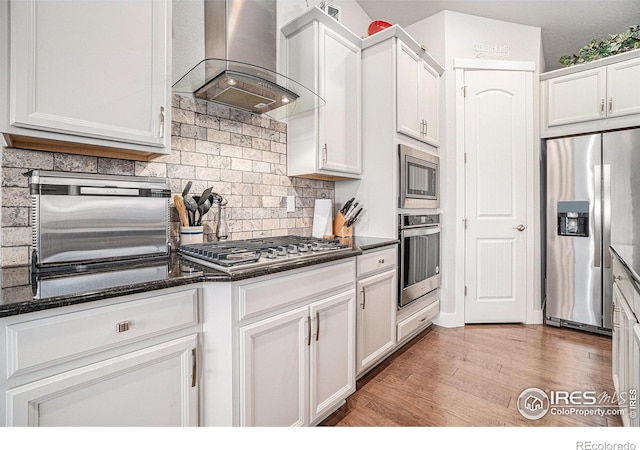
520	227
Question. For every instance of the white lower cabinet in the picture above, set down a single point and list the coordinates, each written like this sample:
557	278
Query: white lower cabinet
279	350
298	366
376	318
625	345
273	370
125	361
150	387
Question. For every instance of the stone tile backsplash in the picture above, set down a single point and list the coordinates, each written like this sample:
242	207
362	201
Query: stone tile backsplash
241	155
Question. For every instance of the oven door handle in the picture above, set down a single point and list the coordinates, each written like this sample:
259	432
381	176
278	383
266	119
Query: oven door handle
412	232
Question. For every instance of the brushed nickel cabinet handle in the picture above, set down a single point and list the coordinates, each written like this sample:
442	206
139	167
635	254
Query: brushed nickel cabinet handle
364	298
324	153
602	106
308	330
162	122
317	325
381	261
123	326
610	104
194	367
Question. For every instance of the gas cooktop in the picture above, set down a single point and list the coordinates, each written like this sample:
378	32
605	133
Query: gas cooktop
230	256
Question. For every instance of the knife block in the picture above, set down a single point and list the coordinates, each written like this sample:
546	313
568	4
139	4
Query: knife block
340	228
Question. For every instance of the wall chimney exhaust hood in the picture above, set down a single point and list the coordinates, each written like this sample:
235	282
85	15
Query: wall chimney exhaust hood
239	68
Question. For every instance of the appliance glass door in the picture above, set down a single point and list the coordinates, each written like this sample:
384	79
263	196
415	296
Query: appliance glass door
421	179
420	263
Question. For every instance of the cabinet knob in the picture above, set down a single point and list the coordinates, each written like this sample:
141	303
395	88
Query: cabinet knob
381	261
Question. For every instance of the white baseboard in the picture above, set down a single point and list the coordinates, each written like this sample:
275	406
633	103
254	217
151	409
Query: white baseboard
537	317
449	320
453	320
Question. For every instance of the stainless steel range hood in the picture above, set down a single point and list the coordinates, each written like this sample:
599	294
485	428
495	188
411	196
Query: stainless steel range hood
239	68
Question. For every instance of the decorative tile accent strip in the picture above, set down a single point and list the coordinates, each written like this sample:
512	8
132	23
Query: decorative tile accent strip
241	155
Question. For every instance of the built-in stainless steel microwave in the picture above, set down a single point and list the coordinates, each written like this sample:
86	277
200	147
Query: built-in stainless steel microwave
419	178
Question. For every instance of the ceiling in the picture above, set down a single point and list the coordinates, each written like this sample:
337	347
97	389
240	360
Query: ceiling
566	25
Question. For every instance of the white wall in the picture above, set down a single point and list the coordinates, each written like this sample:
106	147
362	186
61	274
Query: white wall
449	35
352	15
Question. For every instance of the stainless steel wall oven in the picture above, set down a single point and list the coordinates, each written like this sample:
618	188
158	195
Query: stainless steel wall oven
419	178
419	266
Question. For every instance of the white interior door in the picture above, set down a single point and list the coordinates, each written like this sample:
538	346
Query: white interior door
495	140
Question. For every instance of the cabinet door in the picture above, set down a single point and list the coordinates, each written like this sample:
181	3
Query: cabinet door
577	97
615	336
429	103
332	359
625	361
622	88
376	319
94	69
273	370
407	92
340	147
150	387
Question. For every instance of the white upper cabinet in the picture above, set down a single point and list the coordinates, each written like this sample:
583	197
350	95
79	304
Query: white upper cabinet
577	97
93	73
324	56
622	88
597	96
417	96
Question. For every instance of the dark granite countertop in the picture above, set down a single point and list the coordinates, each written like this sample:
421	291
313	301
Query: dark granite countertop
17	296
629	256
366	243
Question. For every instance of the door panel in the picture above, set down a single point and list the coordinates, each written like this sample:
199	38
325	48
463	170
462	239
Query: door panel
332	359
148	387
273	370
496	148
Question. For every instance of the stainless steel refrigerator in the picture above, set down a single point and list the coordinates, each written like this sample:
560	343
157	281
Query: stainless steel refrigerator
593	200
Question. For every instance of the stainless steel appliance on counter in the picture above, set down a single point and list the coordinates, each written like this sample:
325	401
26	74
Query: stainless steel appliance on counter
232	256
419	178
419	266
593	200
85	227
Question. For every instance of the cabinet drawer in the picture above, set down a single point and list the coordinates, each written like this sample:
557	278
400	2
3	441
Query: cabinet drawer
261	296
39	343
621	278
418	320
376	261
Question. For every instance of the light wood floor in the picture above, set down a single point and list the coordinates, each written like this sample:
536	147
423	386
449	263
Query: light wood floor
472	376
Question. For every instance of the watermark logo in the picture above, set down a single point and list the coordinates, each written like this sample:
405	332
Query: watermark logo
533	403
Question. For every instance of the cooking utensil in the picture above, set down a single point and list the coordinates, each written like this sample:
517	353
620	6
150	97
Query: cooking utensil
352	210
201	200
187	188
192	207
203	209
346	206
182	210
354	218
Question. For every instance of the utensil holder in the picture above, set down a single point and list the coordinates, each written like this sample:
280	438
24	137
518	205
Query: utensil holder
191	235
340	228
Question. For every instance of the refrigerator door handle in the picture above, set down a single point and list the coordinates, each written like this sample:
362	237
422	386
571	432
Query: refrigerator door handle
606	214
597	215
